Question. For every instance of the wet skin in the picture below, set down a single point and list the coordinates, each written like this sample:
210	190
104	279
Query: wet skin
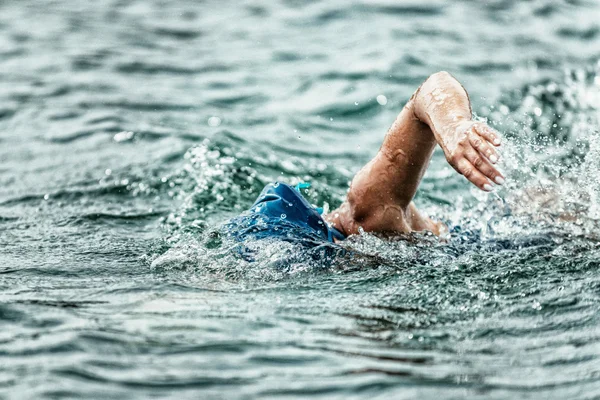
381	193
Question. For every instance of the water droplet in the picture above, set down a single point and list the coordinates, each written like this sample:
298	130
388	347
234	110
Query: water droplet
356	103
214	121
107	172
123	136
537	111
283	216
382	100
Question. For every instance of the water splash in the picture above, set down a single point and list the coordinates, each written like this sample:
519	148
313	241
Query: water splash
550	154
553	151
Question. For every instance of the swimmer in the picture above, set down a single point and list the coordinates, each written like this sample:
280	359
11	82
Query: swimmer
380	196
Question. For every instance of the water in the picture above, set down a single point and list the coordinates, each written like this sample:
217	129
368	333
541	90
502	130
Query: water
131	129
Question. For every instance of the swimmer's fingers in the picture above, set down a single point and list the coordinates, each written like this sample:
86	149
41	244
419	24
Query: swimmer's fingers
484	166
488	133
482	146
468	170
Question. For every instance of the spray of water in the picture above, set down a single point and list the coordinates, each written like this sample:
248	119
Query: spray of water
551	157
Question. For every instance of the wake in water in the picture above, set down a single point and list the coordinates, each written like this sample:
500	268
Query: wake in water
551	157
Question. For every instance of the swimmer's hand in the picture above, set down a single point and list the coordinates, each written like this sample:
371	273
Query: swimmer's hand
469	147
443	104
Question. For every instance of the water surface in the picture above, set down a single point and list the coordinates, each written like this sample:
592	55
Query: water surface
129	130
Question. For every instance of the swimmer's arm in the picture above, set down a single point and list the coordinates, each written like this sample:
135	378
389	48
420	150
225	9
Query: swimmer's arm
379	199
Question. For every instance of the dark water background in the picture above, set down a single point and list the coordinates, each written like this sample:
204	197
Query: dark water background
130	129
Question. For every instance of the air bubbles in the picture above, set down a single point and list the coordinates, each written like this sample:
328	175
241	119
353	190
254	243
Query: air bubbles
382	100
214	121
108	172
356	103
537	111
283	216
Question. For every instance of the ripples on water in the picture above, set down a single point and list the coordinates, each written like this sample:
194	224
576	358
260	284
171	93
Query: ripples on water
131	129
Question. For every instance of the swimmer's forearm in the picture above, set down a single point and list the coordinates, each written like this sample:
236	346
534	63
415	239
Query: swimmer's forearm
441	102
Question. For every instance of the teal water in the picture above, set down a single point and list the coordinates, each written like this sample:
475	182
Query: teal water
130	130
